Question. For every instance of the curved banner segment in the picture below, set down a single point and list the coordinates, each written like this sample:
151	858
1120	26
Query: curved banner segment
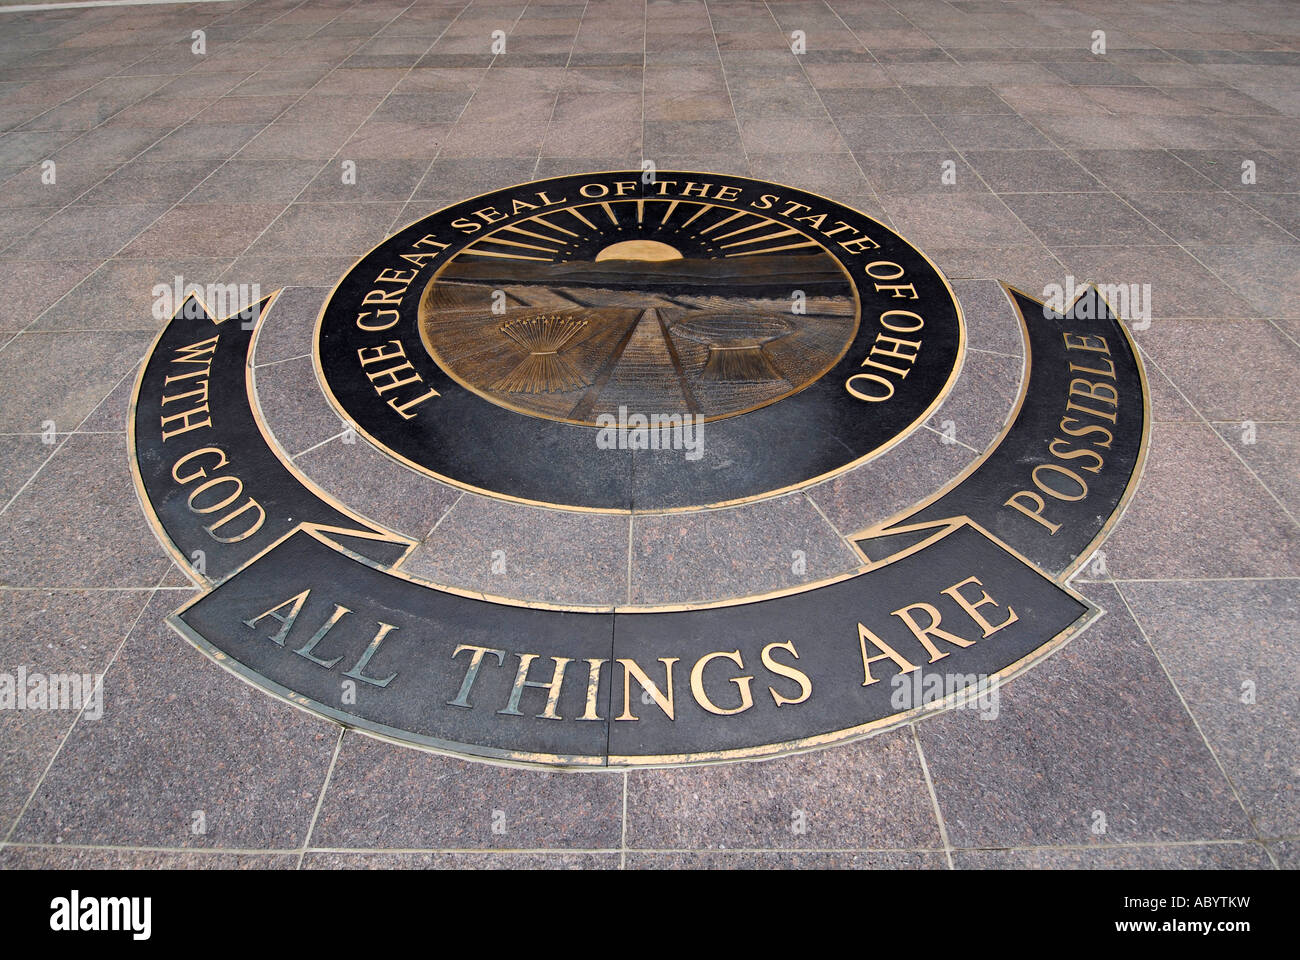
217	490
1064	466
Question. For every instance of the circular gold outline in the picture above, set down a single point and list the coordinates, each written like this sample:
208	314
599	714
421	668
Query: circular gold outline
446	367
940	397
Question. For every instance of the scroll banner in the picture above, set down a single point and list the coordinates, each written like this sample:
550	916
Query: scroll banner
952	599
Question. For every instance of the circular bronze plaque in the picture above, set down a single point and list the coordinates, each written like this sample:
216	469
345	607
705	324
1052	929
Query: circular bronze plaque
615	342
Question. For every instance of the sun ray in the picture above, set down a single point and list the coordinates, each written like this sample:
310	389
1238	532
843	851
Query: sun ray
788	246
740	230
723	222
504	256
515	243
704	208
535	236
581	216
763	239
546	223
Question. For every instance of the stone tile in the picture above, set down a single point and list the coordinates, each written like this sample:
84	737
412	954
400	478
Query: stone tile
149	181
1141	100
42	857
1033	100
509	105
54	632
28	188
248	110
300	141
295	410
351	228
1287	854
451	180
1215	638
1211	132
991	323
578	81
1272	453
871	134
796	99
75	374
289	327
378	487
272	272
833	175
79	524
1267	276
1031	171
981	400
392	180
1190	856
1199	513
120	295
616	139
22	148
868	102
1028	266
1168	405
685	557
314	108
255	180
111	414
27	288
919	171
485	860
1180	285
1274	171
196	140
1069	740
1207	218
902	476
495	140
940	100
1282	208
85	232
1080	218
991	133
771	860
1229	371
870	794
1271	133
691	136
932	220
540	551
21	455
852	75
109	144
181	735
385	796
598	106
204	230
1074	133
19	222
1087	74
